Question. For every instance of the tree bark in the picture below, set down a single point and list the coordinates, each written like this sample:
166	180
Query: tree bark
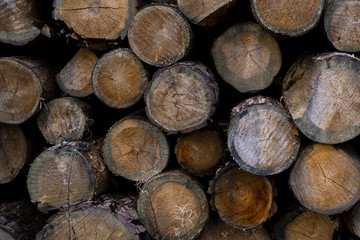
159	35
247	57
322	94
135	149
182	97
262	138
66	174
326	178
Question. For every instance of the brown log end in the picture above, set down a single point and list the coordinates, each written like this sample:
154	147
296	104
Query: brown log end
247	57
326	178
159	35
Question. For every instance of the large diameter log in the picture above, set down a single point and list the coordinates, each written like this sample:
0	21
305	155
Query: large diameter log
302	224
289	18
322	94
108	218
119	78
173	206
96	19
342	24
206	13
13	152
20	220
63	119
242	199
159	35
75	78
182	97
201	151
65	174
135	149
247	57
262	138
326	178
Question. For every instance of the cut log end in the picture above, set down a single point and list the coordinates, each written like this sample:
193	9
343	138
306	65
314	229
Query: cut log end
201	151
159	35
61	120
182	97
321	178
75	78
135	149
119	79
342	25
247	57
243	200
289	18
322	95
173	206
13	152
19	92
262	137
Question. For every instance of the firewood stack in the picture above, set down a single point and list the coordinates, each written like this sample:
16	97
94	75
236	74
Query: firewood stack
179	119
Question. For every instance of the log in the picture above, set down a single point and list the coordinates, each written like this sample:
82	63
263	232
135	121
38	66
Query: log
109	218
75	78
262	138
247	57
13	152
106	20
352	220
20	220
342	26
19	25
172	206
301	224
288	18
206	13
119	79
326	178
163	1
66	174
64	119
242	199
217	229
322	94
159	35
135	149
182	97
201	151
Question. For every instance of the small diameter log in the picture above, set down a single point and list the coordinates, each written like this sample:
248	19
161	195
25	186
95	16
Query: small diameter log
201	151
63	119
13	152
342	24
108	218
289	18
135	149
75	78
322	94
247	57
96	19
243	200
352	220
18	25
65	174
119	79
302	224
326	178
262	138
159	35
217	229
173	206
182	97
20	220
206	13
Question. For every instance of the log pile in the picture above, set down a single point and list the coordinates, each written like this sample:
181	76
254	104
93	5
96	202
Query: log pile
179	119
